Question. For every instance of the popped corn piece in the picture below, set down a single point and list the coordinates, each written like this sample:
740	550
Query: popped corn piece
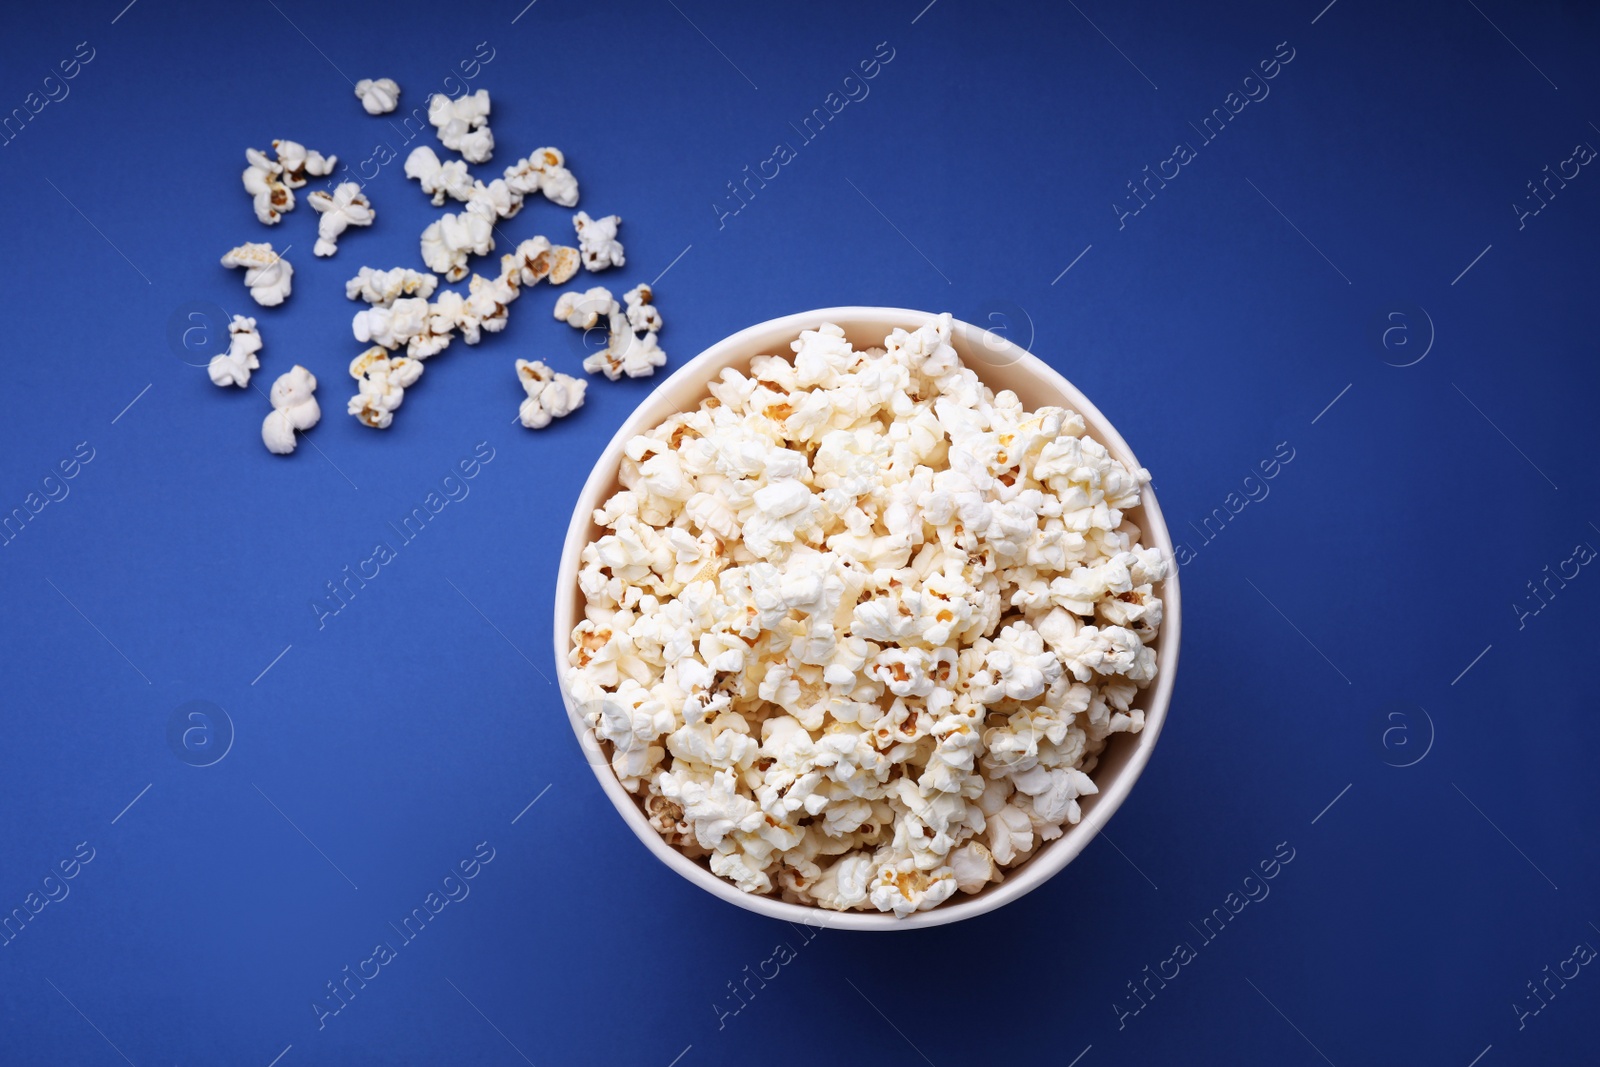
294	407
449	241
551	395
264	182
346	207
266	273
564	262
380	288
597	241
378	96
301	164
643	316
636	355
393	325
463	124
544	172
439	180
583	310
233	367
381	382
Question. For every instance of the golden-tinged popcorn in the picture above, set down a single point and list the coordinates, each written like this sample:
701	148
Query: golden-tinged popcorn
268	275
858	628
551	395
544	172
380	288
381	382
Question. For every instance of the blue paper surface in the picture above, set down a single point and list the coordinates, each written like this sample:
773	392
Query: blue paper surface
1354	241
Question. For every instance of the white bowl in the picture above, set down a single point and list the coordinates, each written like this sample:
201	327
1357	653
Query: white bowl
1001	365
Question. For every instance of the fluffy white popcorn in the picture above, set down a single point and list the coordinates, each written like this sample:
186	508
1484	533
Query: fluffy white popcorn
626	353
551	395
266	273
597	241
393	325
294	407
233	367
494	201
381	381
379	96
864	626
544	172
264	182
346	207
448	242
300	164
439	180
380	288
643	317
583	310
463	124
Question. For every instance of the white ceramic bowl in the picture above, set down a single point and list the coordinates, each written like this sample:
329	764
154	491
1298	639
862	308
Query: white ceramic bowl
1001	365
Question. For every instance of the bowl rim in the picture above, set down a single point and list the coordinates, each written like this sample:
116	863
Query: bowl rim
1052	856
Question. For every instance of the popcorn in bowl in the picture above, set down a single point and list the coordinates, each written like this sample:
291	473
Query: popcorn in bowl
859	629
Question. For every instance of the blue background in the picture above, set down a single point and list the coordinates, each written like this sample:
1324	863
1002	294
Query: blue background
380	748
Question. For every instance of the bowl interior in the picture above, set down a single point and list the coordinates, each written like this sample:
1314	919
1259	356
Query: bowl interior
1000	364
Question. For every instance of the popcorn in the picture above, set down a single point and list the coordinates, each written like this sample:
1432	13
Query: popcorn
393	325
583	310
381	381
463	124
263	181
233	367
380	288
642	314
346	207
437	179
493	201
636	356
294	407
597	241
378	97
301	164
550	395
266	273
564	262
544	172
271	184
858	629
449	241
531	261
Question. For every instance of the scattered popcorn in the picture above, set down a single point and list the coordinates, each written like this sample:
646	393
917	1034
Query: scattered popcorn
636	355
437	179
380	288
294	407
233	367
382	382
345	208
379	96
564	260
448	242
393	325
463	124
544	172
583	310
532	261
494	201
858	628
266	273
551	395
642	314
263	181
597	241
489	301
301	164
